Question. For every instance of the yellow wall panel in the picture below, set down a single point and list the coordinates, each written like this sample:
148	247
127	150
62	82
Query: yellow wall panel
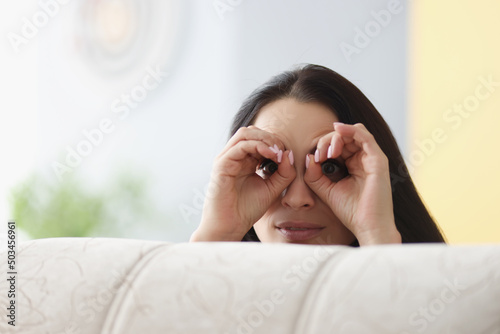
454	122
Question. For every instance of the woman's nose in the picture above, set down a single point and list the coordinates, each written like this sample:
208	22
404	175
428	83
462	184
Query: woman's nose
298	195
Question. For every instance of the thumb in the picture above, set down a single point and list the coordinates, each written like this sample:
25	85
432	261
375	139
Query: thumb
283	176
316	180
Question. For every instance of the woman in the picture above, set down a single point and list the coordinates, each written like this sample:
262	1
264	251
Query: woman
310	160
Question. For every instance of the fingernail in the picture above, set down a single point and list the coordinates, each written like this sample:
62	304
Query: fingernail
307	161
280	155
330	152
276	148
316	156
290	157
273	149
336	123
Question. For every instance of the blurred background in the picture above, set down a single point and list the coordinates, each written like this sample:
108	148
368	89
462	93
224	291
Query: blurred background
112	111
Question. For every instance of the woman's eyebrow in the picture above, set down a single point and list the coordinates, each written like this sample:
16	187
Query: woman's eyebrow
311	151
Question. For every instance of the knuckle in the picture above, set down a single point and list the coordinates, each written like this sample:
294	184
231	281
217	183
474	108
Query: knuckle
322	141
363	128
360	126
384	160
226	167
328	139
242	130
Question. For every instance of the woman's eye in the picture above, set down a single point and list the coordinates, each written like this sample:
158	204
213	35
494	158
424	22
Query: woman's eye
268	167
334	170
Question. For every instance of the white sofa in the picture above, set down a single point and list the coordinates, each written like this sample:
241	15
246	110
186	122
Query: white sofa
111	286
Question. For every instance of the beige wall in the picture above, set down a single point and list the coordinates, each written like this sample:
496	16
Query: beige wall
454	50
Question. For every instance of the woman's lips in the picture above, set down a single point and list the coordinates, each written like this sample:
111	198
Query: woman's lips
298	231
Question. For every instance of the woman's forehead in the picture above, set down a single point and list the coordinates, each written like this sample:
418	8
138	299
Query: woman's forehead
287	115
289	109
296	123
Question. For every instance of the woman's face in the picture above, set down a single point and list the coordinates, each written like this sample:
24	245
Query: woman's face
299	126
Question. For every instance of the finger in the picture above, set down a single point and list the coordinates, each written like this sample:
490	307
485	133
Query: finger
284	175
342	147
253	133
315	178
245	155
328	149
322	147
354	138
360	150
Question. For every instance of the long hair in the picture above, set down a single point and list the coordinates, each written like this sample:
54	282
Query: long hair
315	83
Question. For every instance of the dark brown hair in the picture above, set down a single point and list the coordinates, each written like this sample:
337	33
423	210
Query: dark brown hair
315	83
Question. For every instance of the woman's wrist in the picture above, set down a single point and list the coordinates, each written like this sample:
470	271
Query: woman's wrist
201	234
379	237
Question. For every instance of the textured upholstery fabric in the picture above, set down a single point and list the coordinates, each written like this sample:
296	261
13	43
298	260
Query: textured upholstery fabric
105	285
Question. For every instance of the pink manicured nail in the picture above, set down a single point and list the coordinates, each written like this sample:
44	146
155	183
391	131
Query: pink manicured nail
273	149
307	161
280	156
290	157
316	156
330	152
276	148
336	123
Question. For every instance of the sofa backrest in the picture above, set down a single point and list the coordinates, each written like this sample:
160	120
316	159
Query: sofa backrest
106	285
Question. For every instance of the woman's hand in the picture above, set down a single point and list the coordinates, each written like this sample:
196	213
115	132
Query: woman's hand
237	196
363	199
